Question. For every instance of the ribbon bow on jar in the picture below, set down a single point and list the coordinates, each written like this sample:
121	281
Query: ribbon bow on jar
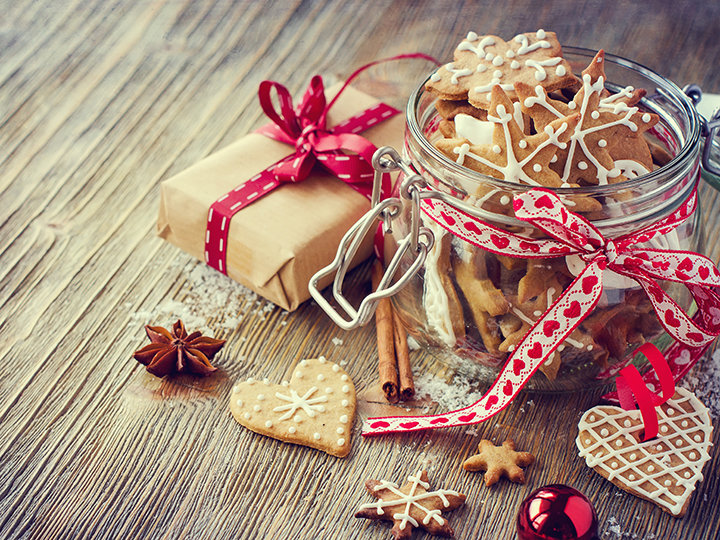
571	234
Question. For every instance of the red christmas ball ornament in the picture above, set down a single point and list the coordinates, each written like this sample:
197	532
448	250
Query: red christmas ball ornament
557	512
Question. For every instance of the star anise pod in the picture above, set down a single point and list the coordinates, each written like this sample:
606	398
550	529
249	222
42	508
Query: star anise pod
178	351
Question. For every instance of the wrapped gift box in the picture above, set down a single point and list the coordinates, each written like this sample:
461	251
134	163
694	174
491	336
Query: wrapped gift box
278	242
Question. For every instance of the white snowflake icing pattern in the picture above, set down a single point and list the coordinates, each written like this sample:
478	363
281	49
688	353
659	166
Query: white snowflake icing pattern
304	402
410	500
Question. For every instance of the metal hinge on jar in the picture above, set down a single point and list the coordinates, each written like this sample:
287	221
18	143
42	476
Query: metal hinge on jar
709	129
418	242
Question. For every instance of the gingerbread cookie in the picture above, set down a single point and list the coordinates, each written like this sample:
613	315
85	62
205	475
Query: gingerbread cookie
499	461
483	62
411	505
316	408
513	156
442	306
608	127
663	470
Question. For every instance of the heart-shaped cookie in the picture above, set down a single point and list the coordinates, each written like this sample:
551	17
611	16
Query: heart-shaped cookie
663	470
316	408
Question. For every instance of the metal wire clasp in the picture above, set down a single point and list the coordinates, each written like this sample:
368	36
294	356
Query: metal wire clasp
418	242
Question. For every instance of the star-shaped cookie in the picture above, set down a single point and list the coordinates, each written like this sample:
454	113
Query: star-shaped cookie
482	62
513	156
411	506
607	141
499	461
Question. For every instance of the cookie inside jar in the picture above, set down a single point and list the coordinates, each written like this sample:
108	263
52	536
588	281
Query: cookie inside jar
507	116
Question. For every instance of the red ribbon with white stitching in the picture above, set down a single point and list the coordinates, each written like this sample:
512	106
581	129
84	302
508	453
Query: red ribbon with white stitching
339	149
571	234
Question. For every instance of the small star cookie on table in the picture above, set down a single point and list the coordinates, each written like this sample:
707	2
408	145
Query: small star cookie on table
316	408
663	470
499	461
411	505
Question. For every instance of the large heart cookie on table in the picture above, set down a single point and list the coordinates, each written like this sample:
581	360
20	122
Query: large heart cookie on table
316	408
663	470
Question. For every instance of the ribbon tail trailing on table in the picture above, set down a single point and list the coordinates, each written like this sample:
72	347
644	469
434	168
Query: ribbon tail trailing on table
571	234
339	149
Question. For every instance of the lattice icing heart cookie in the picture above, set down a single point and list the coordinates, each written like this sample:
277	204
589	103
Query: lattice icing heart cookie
663	470
316	408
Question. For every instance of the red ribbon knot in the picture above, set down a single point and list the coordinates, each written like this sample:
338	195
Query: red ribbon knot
339	149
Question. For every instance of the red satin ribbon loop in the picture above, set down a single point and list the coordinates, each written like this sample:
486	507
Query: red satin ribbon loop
632	389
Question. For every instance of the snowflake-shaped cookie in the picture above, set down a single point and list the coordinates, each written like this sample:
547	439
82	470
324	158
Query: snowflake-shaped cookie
606	145
411	505
513	156
481	62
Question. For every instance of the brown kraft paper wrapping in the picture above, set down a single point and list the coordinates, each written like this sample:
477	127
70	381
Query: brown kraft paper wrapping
277	243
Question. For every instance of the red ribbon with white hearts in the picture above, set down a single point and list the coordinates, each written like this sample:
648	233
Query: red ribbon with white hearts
571	234
339	149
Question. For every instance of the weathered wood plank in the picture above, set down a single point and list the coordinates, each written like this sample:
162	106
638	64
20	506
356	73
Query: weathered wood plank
101	101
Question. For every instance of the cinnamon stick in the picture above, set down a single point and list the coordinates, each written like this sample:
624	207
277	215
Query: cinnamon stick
402	353
387	364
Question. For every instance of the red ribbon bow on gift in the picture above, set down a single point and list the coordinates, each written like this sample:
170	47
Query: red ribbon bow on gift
305	129
571	234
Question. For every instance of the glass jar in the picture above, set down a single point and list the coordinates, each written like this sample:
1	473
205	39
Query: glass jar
471	306
468	303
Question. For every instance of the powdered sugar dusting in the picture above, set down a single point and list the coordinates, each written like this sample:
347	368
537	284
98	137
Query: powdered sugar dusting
449	396
207	301
704	381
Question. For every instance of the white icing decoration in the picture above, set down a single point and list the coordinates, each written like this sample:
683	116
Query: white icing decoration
296	402
515	64
260	397
474	130
456	73
320	377
540	34
346	389
322	360
344	378
540	65
246	416
497	62
257	408
582	165
303	363
335	368
526	47
340	430
236	389
344	419
285	383
341	441
522	144
513	170
411	499
268	424
537	167
496	149
560	71
472	36
602	143
479	49
328	390
239	402
497	73
654	462
316	436
345	403
646	118
630	168
482	68
577	140
297	419
292	429
251	380
435	300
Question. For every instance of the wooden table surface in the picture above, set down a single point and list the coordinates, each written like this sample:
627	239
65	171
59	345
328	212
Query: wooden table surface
100	100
